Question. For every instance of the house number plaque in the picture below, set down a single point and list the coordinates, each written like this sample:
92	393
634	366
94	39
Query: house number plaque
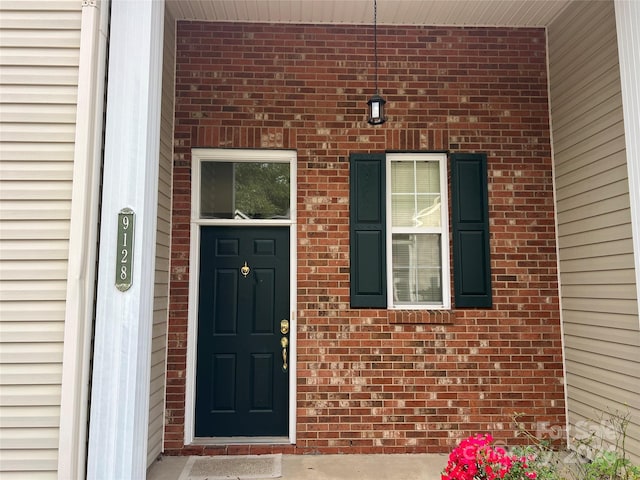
124	253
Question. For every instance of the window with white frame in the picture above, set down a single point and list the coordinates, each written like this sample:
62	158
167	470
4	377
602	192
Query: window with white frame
417	231
241	185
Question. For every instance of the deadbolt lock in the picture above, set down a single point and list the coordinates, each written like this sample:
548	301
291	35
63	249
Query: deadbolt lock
284	326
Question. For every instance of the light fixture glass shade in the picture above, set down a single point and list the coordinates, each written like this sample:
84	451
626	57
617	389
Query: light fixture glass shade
376	110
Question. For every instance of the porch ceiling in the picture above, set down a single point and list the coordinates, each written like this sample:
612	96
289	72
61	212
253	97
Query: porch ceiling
516	13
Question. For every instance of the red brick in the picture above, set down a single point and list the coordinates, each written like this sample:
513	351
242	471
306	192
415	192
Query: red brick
379	381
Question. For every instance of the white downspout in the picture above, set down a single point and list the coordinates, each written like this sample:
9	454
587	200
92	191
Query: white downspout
83	236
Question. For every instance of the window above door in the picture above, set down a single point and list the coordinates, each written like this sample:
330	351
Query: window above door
240	186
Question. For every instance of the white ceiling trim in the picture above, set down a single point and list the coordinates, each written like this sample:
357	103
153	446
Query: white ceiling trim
511	13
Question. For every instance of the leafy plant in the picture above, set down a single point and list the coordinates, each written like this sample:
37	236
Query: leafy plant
599	454
541	459
610	465
602	442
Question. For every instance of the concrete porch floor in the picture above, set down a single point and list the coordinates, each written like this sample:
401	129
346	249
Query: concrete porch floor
332	467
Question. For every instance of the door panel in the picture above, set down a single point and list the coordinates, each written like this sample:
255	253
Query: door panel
224	384
241	387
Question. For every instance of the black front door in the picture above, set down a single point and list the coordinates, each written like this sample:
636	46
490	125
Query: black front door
242	384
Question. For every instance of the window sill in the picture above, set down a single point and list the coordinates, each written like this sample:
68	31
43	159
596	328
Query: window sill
420	316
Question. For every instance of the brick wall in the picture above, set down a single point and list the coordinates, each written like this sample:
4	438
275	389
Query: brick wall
375	380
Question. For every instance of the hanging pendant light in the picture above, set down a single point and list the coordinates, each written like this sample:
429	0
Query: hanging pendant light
376	102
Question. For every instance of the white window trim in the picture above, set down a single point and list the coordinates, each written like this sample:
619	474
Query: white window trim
199	155
441	158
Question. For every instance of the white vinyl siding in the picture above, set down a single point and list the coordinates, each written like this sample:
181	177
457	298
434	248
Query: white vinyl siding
599	304
39	54
161	302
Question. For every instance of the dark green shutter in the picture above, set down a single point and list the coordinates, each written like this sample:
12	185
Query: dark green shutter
367	230
470	225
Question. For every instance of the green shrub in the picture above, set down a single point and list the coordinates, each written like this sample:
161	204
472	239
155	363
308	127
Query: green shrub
600	452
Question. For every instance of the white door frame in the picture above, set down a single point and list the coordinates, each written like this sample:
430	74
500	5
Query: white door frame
236	155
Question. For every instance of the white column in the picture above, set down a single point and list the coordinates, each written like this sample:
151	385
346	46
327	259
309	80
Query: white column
122	347
628	32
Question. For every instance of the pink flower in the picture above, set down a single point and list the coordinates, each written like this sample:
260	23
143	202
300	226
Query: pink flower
476	459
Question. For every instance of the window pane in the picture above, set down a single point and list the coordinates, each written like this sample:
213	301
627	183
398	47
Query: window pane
428	177
417	275
216	190
428	211
415	194
244	190
403	210
402	177
262	190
